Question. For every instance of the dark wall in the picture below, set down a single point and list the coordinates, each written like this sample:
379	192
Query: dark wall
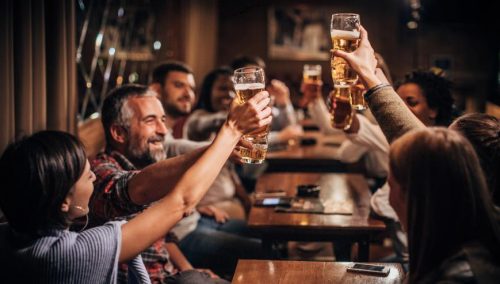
474	65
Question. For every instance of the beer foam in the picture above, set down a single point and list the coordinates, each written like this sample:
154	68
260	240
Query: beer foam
345	34
312	72
249	86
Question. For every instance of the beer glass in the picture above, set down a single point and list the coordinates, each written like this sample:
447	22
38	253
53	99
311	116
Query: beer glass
357	98
312	73
311	78
339	103
345	36
248	81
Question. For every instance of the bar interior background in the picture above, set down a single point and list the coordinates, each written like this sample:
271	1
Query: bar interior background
59	58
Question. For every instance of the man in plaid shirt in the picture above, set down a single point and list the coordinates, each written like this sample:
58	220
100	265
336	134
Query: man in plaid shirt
133	121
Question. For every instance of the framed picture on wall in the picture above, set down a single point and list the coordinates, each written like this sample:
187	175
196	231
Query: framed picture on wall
299	32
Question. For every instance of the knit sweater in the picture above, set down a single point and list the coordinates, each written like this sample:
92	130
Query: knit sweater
391	113
62	256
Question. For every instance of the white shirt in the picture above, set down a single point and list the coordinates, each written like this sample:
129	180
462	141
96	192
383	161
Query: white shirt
369	141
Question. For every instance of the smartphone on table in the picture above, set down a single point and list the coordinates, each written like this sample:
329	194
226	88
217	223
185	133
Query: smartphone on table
273	201
380	270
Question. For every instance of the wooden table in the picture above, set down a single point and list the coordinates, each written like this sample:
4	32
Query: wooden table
303	272
320	157
342	191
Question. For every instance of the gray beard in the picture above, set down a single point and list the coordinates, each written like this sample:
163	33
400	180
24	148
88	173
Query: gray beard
146	158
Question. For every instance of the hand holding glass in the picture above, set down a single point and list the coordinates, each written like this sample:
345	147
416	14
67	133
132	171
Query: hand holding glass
345	33
249	81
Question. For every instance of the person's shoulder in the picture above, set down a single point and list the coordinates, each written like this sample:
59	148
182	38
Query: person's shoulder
472	264
456	269
99	236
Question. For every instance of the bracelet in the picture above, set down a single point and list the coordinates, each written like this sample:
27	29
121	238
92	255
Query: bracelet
374	89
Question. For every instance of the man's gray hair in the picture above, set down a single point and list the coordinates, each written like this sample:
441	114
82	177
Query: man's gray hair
115	109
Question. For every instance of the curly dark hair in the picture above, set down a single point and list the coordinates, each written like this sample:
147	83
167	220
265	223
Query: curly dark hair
206	87
437	91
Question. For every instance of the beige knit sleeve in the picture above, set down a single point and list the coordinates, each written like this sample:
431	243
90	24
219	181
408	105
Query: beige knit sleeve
391	113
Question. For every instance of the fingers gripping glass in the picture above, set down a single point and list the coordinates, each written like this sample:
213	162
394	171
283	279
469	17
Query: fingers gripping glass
345	34
249	81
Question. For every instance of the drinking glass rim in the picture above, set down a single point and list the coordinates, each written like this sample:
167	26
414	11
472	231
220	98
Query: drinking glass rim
310	65
254	69
345	14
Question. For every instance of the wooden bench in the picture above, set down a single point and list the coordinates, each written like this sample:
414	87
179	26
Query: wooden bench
91	133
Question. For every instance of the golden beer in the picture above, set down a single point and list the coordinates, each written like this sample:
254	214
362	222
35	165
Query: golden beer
347	41
311	73
357	98
340	107
311	77
258	138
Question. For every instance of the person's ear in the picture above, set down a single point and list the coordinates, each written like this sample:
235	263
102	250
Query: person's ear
118	133
433	113
66	204
156	87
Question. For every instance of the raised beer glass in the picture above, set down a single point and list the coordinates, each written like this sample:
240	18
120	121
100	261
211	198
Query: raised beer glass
339	103
312	73
345	36
311	78
248	81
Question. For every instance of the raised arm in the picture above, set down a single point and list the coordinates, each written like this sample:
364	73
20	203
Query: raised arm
201	124
155	221
156	180
391	113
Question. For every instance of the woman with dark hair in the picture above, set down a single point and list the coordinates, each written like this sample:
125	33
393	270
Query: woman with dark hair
47	184
452	232
428	96
216	95
49	175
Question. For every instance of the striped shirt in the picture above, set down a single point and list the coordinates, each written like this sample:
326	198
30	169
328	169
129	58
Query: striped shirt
62	256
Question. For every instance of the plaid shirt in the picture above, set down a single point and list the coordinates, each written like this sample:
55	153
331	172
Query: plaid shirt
110	201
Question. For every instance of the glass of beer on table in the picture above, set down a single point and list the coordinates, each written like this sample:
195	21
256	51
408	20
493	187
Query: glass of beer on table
249	81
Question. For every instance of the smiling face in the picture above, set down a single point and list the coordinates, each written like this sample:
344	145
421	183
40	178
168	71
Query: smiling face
177	93
222	93
414	98
147	130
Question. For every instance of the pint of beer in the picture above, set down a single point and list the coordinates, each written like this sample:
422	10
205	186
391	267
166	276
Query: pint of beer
357	98
339	103
311	83
312	73
345	36
249	81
